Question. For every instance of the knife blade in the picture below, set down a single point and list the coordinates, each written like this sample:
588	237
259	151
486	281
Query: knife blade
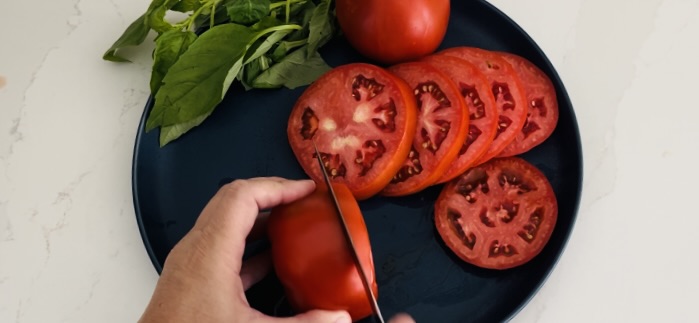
348	237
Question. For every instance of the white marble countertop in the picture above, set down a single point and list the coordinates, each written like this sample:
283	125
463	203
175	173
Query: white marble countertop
70	250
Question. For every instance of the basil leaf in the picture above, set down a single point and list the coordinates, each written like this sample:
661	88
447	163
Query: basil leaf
134	35
186	5
247	11
296	7
195	84
266	22
320	26
284	47
296	69
267	44
232	74
307	13
204	19
254	69
155	15
264	26
170	133
304	20
168	48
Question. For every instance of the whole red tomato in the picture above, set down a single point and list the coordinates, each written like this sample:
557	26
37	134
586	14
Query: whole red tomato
393	31
311	256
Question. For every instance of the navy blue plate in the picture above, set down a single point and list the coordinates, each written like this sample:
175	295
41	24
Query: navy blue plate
416	273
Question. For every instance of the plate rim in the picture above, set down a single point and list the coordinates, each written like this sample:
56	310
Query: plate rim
578	147
137	203
135	191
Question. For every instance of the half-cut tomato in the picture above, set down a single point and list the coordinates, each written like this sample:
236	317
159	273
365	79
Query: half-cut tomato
311	255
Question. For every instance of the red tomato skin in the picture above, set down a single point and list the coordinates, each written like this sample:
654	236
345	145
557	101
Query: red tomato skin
394	31
372	183
435	164
483	121
482	235
311	256
512	109
542	102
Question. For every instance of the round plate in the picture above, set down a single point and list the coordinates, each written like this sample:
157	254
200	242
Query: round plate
416	273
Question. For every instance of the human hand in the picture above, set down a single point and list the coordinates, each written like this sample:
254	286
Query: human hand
204	278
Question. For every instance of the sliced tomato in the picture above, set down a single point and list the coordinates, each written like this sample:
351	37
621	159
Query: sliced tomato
542	115
483	114
497	215
362	119
442	127
507	90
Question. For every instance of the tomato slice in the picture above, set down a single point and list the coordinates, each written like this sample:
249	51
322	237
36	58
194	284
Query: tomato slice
483	113
497	215
311	256
442	128
362	119
542	115
507	90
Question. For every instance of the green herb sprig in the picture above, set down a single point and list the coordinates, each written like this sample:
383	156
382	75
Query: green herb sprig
261	44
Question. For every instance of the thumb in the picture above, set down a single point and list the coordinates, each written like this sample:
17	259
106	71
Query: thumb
320	316
401	318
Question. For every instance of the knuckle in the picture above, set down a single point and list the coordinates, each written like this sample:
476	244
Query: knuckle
235	186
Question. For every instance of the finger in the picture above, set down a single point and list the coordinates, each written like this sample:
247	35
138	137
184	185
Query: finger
242	201
259	229
244	184
239	202
401	318
281	190
315	316
231	213
255	269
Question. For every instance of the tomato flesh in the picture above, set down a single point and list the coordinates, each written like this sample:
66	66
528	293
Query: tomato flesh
497	215
442	128
542	115
362	119
507	90
483	114
311	255
393	31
